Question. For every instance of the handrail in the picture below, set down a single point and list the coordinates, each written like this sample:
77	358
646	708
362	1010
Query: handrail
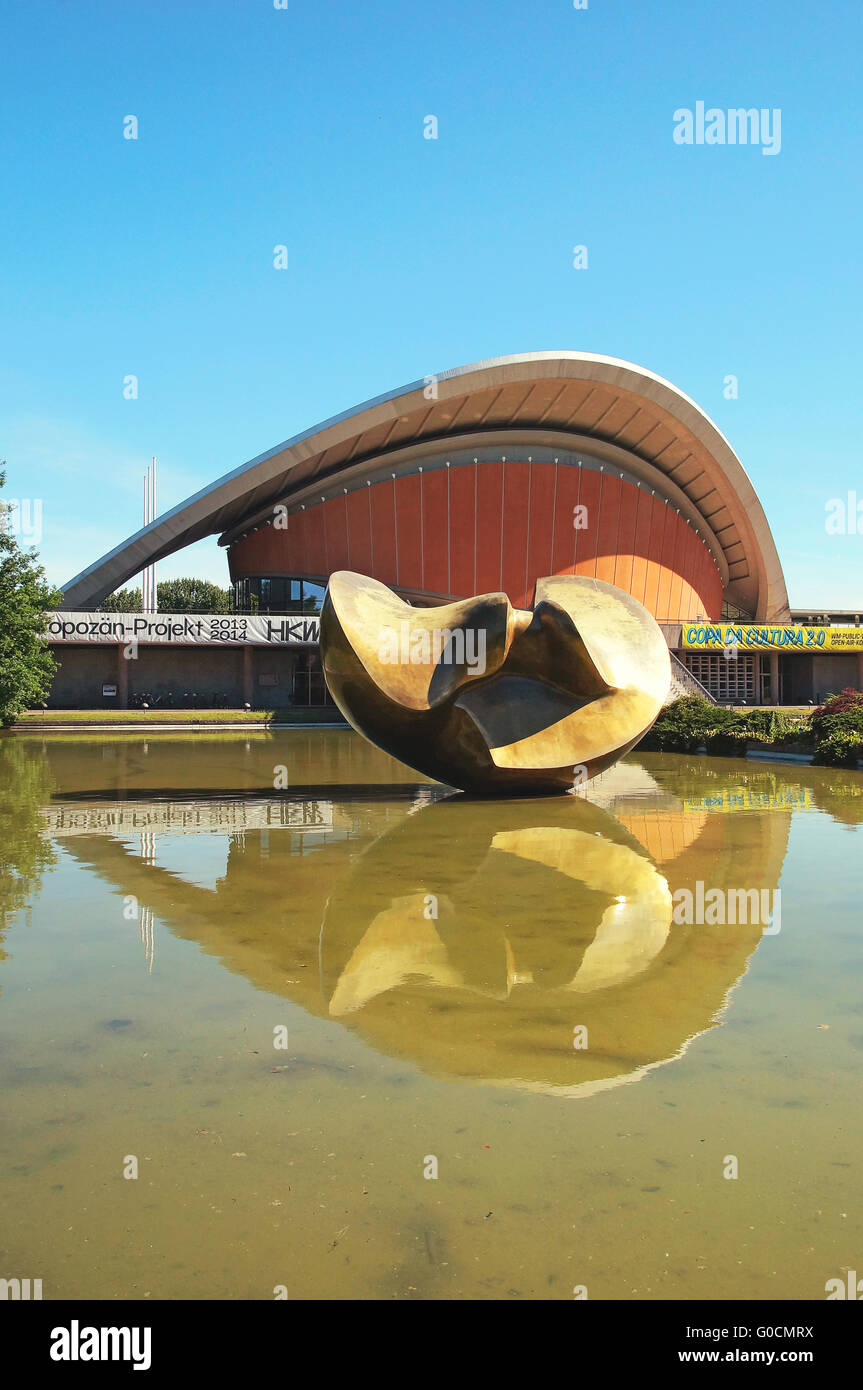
683	676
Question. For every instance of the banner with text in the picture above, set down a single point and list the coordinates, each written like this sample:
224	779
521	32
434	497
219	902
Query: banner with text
202	629
707	637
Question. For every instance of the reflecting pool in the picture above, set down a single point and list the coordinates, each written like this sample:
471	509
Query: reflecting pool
361	1037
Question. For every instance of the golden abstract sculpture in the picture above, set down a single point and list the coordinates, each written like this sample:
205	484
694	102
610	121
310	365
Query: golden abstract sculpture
493	699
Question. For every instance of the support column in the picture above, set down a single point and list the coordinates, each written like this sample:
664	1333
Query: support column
122	677
860	670
774	678
248	686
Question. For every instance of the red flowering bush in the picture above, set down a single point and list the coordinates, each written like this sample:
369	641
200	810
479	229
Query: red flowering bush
848	702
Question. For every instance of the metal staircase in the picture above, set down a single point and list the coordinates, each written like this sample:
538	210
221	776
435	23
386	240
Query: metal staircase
684	683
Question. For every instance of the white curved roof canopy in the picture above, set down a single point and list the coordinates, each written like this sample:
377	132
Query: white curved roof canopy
612	404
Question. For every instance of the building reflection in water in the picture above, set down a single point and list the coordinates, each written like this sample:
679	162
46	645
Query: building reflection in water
471	939
483	941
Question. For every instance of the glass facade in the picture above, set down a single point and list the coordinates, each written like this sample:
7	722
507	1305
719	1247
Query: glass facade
278	594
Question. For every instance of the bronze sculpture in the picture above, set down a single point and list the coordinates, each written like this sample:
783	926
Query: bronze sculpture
493	699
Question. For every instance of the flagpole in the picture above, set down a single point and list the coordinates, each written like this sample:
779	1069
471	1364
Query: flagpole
149	591
155	594
145	577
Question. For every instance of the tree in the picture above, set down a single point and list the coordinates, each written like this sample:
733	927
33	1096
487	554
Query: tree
123	601
26	663
175	596
194	596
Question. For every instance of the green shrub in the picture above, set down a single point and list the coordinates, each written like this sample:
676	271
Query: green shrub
848	701
849	721
692	723
799	732
727	743
753	721
683	726
771	725
840	749
838	730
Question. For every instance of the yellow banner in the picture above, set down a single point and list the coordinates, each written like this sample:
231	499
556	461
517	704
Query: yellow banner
793	798
749	637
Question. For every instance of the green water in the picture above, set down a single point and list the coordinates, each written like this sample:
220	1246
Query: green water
498	991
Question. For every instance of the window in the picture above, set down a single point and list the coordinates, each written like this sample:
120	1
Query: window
278	594
730	682
313	597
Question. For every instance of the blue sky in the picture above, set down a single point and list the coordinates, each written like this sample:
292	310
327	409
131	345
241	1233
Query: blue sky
304	127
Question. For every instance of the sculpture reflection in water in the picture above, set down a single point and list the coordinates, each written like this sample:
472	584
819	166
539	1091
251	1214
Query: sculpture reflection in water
522	946
471	923
473	938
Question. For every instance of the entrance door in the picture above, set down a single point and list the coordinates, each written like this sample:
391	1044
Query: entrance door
795	673
767	694
309	686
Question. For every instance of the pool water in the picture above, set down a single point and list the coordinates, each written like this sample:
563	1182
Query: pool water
278	1015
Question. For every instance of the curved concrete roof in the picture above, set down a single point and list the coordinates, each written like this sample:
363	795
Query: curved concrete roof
587	399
